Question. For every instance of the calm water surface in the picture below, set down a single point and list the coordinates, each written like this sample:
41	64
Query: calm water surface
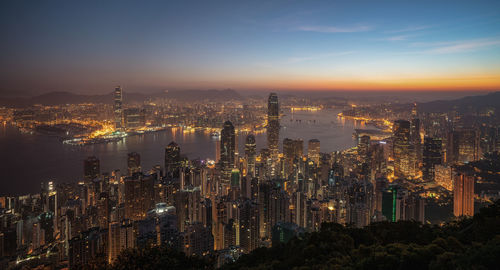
27	160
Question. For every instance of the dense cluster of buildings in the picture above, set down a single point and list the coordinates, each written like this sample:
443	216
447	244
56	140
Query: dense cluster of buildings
242	200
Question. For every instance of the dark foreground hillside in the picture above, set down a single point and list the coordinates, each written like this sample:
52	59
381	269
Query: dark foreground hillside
472	243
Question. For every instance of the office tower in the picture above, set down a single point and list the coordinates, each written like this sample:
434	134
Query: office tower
389	203
401	148
48	197
249	226
468	148
462	146
139	196
415	145
133	163
363	147
91	168
87	248
235	178
188	208
250	154
134	118
293	150
118	108
198	240
172	160
463	194
431	157
121	236
313	149
443	176
227	147
273	129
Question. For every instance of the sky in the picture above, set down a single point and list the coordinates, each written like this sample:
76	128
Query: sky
91	46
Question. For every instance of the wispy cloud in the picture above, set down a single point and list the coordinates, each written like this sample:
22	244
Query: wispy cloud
463	46
398	38
300	59
409	29
335	29
293	60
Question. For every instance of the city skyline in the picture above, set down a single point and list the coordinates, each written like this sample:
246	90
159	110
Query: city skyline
249	134
282	45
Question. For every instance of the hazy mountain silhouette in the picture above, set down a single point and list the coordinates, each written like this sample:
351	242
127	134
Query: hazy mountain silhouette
57	98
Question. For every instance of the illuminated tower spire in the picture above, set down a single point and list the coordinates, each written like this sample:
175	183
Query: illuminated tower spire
118	108
273	129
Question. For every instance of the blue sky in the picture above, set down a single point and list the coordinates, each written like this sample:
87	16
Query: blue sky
89	46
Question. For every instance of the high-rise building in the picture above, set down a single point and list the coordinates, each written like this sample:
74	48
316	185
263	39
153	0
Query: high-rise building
227	147
463	194
313	150
443	176
121	236
415	144
462	146
139	196
249	226
401	148
118	108
198	240
250	154
292	150
432	156
91	168
133	163
273	130
172	160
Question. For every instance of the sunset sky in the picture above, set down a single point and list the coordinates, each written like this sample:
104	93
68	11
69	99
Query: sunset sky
90	46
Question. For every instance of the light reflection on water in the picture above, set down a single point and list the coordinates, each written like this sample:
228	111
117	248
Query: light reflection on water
26	160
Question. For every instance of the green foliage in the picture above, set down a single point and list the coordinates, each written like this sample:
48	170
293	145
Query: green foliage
157	258
472	243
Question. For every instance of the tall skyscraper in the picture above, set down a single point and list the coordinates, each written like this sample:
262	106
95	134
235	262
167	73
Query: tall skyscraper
118	108
273	130
139	196
91	168
172	160
462	146
313	150
401	148
227	146
250	153
133	163
431	157
463	194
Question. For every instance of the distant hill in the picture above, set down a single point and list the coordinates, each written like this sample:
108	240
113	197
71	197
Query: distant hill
466	104
56	98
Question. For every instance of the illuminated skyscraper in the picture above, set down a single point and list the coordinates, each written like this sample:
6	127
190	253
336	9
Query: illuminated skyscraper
91	168
313	149
133	163
139	196
463	194
431	157
292	150
462	145
401	148
273	130
249	226
227	146
172	159
250	153
118	108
